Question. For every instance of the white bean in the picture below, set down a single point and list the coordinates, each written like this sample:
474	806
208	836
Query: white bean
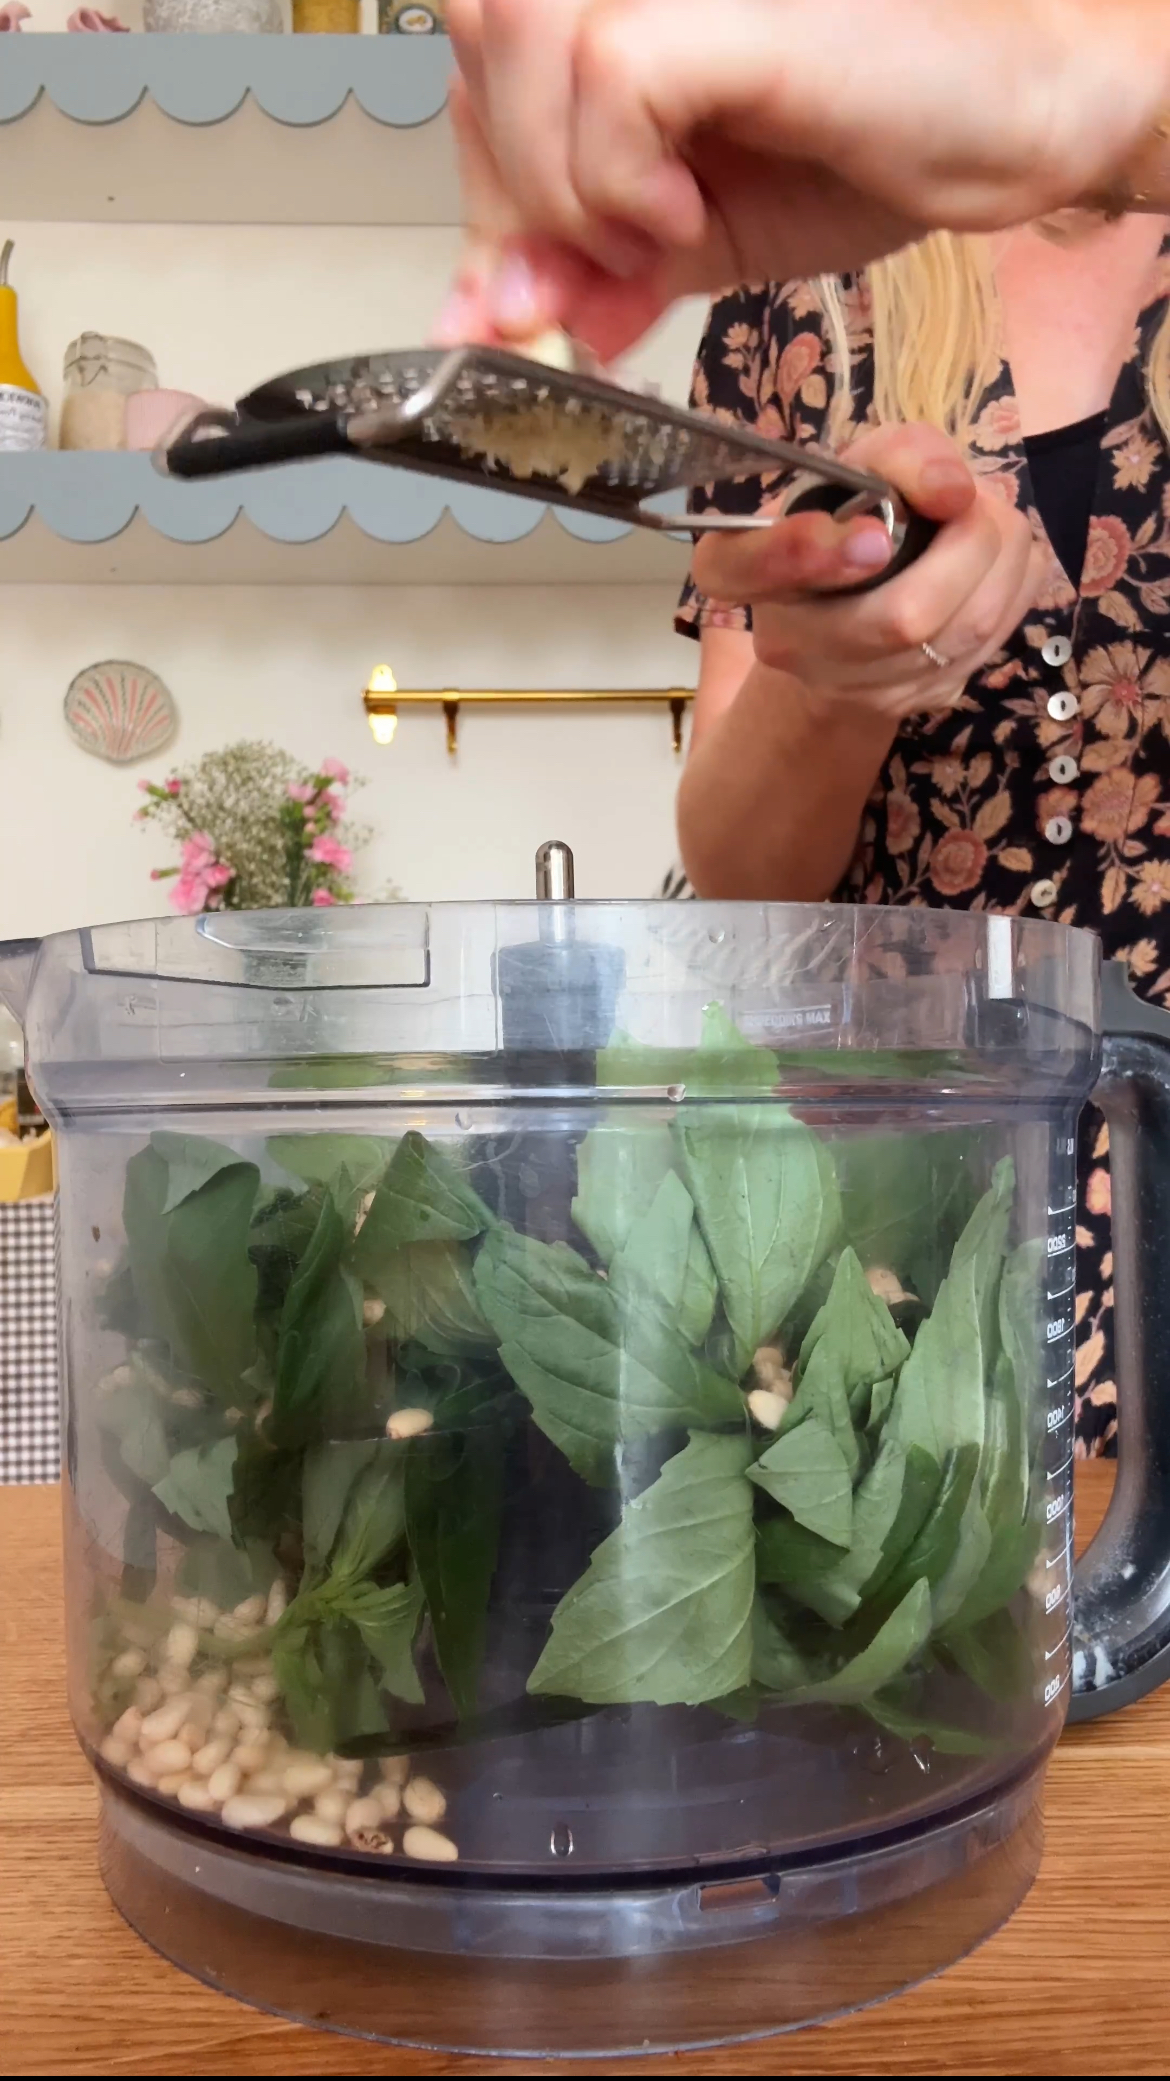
250	1611
310	1828
210	1756
173	1782
409	1423
395	1769
424	1801
767	1408
116	1752
277	1603
128	1725
302	1779
224	1783
194	1733
147	1693
362	1813
429	1846
347	1773
250	1755
169	1756
164	1724
375	1840
130	1663
331	1806
181	1645
265	1689
139	1772
389	1798
174	1682
373	1310
248	1810
266	1780
198	1797
211	1683
254	1665
226	1721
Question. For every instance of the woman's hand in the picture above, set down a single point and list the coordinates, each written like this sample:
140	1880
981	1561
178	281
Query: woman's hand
638	150
962	598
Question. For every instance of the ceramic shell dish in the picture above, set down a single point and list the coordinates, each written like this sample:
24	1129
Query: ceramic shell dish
119	711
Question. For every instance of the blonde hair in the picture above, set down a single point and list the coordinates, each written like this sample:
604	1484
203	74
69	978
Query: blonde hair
937	338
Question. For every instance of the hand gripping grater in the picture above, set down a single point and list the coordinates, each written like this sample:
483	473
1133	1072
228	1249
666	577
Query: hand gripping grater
480	415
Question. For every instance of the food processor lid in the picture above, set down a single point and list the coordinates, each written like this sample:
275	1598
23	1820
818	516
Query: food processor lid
612	996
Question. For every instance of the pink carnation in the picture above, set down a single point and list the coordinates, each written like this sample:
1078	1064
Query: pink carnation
331	805
145	786
219	877
329	852
173	786
334	770
321	898
198	851
301	792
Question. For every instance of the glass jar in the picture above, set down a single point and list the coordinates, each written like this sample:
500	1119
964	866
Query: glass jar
570	1415
101	372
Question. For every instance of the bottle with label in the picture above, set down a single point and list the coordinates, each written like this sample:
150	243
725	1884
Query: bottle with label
23	412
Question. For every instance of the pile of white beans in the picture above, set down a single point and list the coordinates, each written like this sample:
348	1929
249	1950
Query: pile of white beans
208	1742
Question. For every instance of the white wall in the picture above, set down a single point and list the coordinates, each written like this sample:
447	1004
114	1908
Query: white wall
222	307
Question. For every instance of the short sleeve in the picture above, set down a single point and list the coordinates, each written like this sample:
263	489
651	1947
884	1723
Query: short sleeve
761	364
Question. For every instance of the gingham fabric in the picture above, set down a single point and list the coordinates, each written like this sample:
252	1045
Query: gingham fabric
29	1432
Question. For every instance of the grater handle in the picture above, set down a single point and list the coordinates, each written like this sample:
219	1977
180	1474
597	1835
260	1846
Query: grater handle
911	533
216	443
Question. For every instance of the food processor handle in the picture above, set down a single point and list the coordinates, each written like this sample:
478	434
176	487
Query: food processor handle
1121	1588
18	958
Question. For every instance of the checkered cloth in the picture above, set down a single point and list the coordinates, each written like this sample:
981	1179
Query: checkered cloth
29	1424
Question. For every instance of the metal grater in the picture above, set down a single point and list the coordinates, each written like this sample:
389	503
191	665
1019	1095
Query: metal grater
425	409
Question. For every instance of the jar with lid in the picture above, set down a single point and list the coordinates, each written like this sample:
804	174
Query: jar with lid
407	18
100	374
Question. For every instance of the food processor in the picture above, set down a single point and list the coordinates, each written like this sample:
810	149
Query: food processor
568	1444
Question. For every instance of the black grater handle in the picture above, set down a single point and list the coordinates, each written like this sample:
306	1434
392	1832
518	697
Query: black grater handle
912	532
215	443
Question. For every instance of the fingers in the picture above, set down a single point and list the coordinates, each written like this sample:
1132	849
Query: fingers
813	553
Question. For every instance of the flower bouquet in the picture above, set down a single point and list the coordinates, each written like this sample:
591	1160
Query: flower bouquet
256	830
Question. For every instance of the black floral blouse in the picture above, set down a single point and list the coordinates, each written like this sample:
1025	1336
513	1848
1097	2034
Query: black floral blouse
1046	791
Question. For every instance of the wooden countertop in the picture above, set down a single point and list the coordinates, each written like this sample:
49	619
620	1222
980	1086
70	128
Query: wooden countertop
1077	1983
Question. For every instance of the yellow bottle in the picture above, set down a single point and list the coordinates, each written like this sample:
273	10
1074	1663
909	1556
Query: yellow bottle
23	412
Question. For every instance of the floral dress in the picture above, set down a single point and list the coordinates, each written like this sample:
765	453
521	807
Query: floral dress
1046	791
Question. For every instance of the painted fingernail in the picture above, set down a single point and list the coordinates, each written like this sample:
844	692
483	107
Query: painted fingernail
868	550
453	323
512	297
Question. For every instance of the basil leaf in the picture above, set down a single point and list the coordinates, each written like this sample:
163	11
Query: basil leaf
854	1331
225	1574
665	1255
423	1198
194	1279
191	1160
905	1198
920	1487
879	1404
130	1413
429	1291
388	1621
594	1372
939	1404
931	1553
776	1664
967	1563
909	1726
454	1499
806	1568
904	1635
319	1158
330	1472
374	1519
321	1346
808	1474
767	1208
995	1655
197	1485
619	1171
662	1615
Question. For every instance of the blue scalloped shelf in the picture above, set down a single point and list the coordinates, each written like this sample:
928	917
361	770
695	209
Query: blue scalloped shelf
74	519
261	129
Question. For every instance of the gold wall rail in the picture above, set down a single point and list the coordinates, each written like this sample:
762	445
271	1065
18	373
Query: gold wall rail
383	698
